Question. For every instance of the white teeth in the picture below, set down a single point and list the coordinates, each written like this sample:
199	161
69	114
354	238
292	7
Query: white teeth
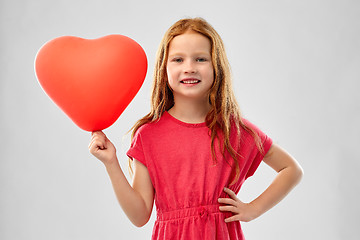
190	81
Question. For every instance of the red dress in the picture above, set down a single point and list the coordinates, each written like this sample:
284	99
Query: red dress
188	181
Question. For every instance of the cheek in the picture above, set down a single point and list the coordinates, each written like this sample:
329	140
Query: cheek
171	74
168	75
170	78
211	74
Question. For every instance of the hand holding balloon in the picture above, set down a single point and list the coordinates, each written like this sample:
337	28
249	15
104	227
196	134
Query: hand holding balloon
91	80
101	147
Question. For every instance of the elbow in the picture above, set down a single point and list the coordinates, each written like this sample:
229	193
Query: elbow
298	173
140	222
139	225
140	215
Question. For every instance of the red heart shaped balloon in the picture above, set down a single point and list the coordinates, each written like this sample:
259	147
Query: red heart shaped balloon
91	80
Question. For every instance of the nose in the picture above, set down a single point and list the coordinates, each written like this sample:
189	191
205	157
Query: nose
189	67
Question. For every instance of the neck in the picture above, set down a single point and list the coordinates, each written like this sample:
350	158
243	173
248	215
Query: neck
190	110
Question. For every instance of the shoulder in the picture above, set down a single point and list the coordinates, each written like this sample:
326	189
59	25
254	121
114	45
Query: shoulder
250	126
145	129
245	126
150	127
250	131
248	123
260	138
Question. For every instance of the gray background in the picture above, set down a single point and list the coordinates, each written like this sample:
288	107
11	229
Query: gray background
295	66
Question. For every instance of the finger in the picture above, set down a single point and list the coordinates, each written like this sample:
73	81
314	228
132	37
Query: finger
94	133
229	201
93	139
228	209
232	219
230	193
97	144
101	145
103	138
99	136
93	147
98	133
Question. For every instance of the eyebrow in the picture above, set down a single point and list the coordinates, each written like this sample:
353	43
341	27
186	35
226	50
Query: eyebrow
181	54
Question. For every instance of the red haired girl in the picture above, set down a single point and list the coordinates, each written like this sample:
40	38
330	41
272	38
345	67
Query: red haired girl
193	151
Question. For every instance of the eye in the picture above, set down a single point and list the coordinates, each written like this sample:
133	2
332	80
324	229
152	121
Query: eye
201	59
177	60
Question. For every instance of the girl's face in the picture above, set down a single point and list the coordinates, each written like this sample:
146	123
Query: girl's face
189	67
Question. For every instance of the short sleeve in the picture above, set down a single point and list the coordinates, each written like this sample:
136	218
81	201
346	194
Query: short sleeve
136	150
266	144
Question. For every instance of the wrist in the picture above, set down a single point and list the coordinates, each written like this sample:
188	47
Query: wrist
256	209
113	162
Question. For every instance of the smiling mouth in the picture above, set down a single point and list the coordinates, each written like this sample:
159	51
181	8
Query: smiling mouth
192	81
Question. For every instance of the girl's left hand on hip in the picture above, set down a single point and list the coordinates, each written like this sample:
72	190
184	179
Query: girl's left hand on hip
244	212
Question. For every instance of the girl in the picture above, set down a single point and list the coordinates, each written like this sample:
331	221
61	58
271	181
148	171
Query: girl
193	151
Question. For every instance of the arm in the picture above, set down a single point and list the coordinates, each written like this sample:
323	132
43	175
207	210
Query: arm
137	200
289	174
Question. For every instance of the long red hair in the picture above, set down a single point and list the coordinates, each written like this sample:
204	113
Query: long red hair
224	107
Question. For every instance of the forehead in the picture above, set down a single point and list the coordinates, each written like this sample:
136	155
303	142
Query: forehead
190	42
